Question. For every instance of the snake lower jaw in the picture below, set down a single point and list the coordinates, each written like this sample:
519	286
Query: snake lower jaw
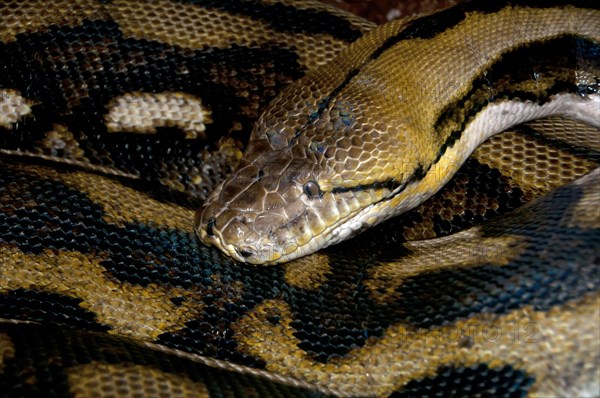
269	253
263	254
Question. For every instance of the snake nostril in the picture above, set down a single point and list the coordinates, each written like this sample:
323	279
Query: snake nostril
259	175
246	253
210	225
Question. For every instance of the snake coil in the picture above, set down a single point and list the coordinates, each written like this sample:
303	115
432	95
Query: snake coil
119	118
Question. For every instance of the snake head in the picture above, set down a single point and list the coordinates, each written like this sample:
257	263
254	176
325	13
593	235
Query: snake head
318	169
292	197
264	212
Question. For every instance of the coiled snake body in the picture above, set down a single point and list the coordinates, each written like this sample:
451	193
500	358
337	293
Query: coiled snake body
117	118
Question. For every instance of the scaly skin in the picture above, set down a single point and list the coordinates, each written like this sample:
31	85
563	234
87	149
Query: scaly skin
387	124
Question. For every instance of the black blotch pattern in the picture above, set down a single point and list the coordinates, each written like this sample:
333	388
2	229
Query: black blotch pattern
474	381
578	151
284	18
558	58
39	214
436	298
431	25
66	220
482	181
44	354
342	316
74	73
40	306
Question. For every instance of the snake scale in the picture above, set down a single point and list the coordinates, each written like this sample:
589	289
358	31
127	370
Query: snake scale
118	118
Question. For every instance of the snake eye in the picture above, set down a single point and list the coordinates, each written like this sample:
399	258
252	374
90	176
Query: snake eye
312	190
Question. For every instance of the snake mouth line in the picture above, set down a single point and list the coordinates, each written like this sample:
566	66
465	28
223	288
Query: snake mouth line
350	225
